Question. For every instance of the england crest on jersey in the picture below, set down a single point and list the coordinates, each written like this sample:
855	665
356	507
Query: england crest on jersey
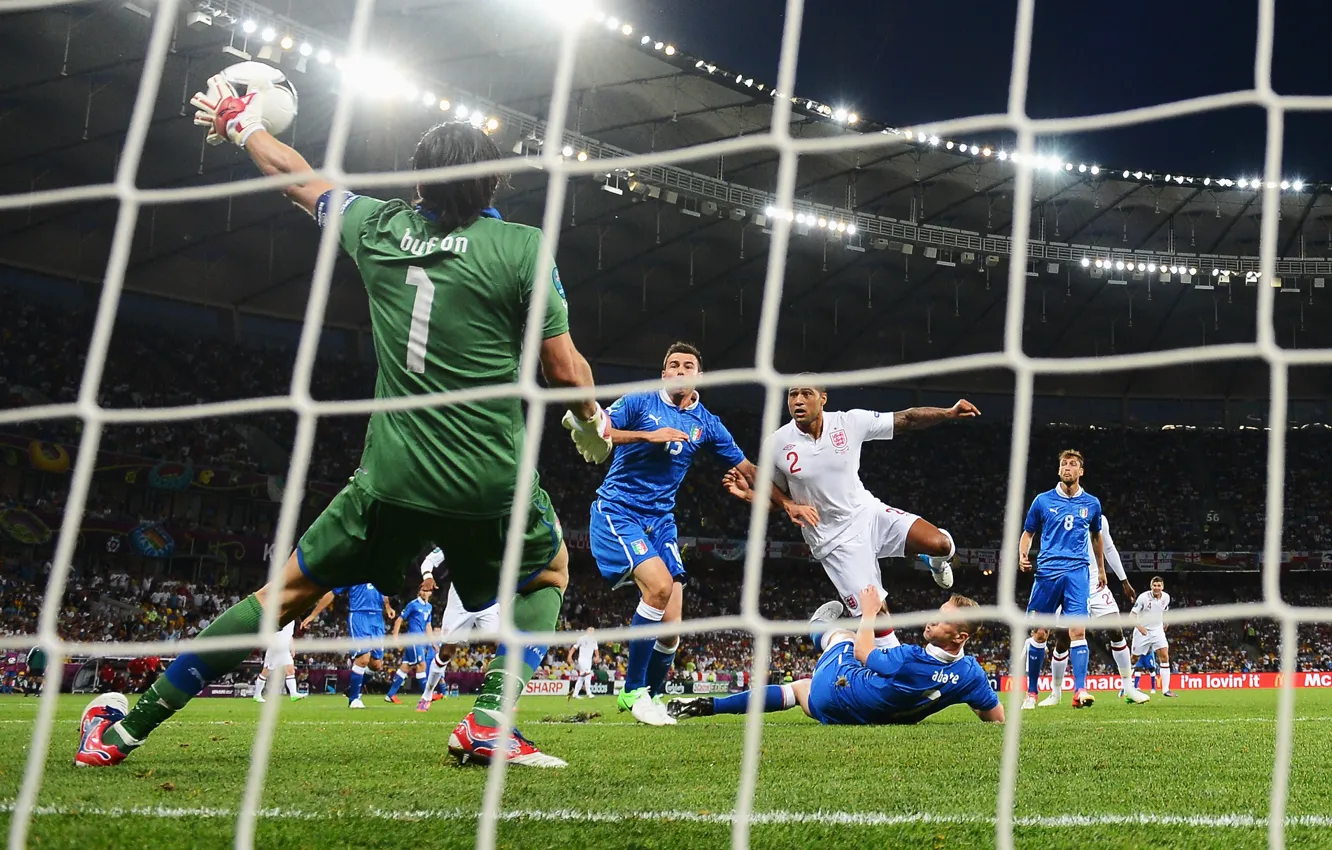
839	440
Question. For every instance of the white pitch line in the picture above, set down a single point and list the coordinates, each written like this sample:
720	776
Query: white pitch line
771	818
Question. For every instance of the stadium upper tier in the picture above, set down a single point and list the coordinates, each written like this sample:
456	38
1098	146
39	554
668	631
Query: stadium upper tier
653	252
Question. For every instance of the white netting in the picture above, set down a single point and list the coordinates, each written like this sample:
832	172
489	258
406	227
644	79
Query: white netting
778	138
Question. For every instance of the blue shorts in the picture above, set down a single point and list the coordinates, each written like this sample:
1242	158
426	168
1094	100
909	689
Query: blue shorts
621	541
824	702
1068	589
368	632
416	654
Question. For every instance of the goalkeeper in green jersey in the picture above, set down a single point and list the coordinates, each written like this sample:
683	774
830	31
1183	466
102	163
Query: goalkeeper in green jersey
449	284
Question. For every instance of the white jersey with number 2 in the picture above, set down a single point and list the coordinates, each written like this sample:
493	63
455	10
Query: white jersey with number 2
825	473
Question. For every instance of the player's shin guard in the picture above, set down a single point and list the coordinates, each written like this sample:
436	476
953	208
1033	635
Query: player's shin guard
659	664
438	668
640	651
1123	661
538	611
1058	669
1079	655
188	675
775	698
1035	661
399	679
355	682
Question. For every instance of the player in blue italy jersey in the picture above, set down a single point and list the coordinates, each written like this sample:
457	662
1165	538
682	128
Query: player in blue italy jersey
416	616
1068	519
632	527
856	683
367	607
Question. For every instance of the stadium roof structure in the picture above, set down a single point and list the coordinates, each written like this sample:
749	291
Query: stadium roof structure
900	246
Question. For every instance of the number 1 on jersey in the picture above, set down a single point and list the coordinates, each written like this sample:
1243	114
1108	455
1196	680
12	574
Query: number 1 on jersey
419	333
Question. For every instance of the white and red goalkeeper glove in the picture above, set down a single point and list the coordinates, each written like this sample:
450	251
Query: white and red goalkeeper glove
591	436
227	114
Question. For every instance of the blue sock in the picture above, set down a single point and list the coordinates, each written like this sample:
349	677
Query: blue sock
1035	661
354	688
420	683
659	666
640	651
398	680
774	699
1078	656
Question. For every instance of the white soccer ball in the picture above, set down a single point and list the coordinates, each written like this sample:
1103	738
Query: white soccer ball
279	102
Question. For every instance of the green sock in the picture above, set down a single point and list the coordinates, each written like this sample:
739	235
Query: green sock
188	675
538	611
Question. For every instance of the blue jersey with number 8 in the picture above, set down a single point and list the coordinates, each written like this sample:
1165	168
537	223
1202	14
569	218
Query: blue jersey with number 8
1065	524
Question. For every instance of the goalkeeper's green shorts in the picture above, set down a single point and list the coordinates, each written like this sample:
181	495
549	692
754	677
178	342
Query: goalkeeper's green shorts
359	539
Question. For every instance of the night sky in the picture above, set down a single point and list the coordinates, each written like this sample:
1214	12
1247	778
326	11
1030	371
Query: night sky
911	62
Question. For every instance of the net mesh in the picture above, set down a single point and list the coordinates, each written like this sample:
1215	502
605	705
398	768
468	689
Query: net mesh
778	137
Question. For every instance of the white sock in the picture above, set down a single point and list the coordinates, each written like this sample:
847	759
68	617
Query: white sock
436	673
291	685
1165	678
647	612
356	668
788	696
1058	667
259	685
1124	662
887	641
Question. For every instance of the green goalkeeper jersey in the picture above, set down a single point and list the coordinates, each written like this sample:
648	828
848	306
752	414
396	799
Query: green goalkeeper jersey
448	312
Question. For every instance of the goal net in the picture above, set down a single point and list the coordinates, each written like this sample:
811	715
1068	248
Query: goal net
559	168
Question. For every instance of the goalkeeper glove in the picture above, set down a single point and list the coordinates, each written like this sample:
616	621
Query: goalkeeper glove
227	114
590	436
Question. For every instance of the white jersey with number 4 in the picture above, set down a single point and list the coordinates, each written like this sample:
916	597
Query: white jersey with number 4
1151	609
587	647
825	473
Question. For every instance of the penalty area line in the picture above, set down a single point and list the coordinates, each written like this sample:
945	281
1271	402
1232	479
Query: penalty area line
771	818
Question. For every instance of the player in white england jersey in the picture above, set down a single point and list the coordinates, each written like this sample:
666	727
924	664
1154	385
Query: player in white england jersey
1149	635
453	628
816	460
586	654
278	656
1101	603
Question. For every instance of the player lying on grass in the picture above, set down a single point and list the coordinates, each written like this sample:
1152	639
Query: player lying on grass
1101	604
857	683
816	459
444	474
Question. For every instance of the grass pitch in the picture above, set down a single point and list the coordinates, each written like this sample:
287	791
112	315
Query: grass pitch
1191	772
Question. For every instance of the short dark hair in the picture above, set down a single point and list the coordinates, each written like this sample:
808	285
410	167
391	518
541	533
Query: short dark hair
683	348
460	202
1073	453
1154	580
817	386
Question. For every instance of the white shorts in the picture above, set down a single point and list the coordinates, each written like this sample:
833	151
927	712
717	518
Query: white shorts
279	658
584	671
1144	644
854	564
1100	603
458	621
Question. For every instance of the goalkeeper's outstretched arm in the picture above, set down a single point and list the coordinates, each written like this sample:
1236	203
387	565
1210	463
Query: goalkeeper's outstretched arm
274	157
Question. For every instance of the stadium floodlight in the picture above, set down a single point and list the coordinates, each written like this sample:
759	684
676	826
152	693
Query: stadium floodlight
1126	174
307	48
567	151
612	23
477	120
645	40
1082	168
582	155
1174	269
1151	267
324	56
670	50
462	112
1216	272
428	98
1138	175
444	104
1100	263
934	140
1068	166
1119	266
627	30
249	27
492	124
1192	270
1243	182
851	229
1095	169
1207	181
823	222
948	144
1086	262
1285	184
699	64
268	34
1003	156
852	118
839	115
841	227
287	42
985	151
